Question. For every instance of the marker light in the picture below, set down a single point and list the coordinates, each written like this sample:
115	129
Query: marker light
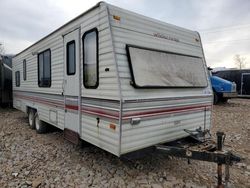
112	126
116	17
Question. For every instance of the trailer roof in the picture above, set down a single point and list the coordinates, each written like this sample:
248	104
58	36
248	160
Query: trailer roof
97	5
230	70
87	11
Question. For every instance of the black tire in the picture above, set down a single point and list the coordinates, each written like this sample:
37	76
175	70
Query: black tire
216	98
41	127
31	118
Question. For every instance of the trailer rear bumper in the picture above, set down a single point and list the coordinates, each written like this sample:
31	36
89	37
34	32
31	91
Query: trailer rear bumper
230	95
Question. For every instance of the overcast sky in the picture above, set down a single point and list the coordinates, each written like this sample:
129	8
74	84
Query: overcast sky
224	25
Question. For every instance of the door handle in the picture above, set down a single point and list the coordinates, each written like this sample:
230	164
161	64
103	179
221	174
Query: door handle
63	83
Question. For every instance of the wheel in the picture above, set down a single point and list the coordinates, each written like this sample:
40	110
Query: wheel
216	98
31	115
40	126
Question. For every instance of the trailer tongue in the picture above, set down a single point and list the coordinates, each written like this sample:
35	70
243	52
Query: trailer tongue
199	147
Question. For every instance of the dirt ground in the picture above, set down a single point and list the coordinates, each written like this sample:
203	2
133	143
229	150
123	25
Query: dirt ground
28	159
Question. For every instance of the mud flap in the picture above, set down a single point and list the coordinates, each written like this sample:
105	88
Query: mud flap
71	136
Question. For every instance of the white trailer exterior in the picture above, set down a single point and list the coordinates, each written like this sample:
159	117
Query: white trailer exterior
150	81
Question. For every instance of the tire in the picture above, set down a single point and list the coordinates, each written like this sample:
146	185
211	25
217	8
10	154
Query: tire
31	118
216	98
41	127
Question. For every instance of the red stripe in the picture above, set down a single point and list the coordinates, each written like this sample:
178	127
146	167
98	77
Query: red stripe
166	110
52	103
149	113
101	114
71	107
98	111
116	115
44	101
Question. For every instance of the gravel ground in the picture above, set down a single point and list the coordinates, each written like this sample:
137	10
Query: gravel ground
28	159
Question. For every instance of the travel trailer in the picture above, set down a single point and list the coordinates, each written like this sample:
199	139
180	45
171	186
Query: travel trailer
116	79
5	81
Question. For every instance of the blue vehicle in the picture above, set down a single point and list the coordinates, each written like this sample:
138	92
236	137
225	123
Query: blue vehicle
222	89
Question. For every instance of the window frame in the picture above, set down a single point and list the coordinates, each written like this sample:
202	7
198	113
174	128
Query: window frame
133	82
97	58
67	58
24	70
17	78
38	72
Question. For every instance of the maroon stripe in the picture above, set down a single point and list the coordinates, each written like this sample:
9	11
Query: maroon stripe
166	99
149	113
36	99
107	115
172	111
99	112
71	107
166	110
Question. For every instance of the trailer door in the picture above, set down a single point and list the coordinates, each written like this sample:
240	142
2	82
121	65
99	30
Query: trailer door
245	84
72	83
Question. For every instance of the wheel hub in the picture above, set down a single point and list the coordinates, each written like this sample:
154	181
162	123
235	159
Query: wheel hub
37	123
30	119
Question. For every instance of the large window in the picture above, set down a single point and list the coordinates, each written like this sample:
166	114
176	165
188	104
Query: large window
71	58
90	59
44	69
24	70
158	69
17	75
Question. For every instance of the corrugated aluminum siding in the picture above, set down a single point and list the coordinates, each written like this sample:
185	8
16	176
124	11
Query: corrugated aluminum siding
138	30
166	124
131	29
108	87
101	136
134	29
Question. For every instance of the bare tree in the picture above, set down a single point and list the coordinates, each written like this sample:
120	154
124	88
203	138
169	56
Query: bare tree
1	49
239	61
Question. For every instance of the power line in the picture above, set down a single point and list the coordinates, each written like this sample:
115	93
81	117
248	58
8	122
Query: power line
225	44
226	41
224	28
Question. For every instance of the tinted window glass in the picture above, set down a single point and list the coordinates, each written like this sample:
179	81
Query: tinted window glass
90	75
24	70
40	68
44	69
17	74
71	62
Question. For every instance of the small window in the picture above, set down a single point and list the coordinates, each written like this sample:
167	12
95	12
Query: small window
24	69
71	58
17	74
90	59
44	69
